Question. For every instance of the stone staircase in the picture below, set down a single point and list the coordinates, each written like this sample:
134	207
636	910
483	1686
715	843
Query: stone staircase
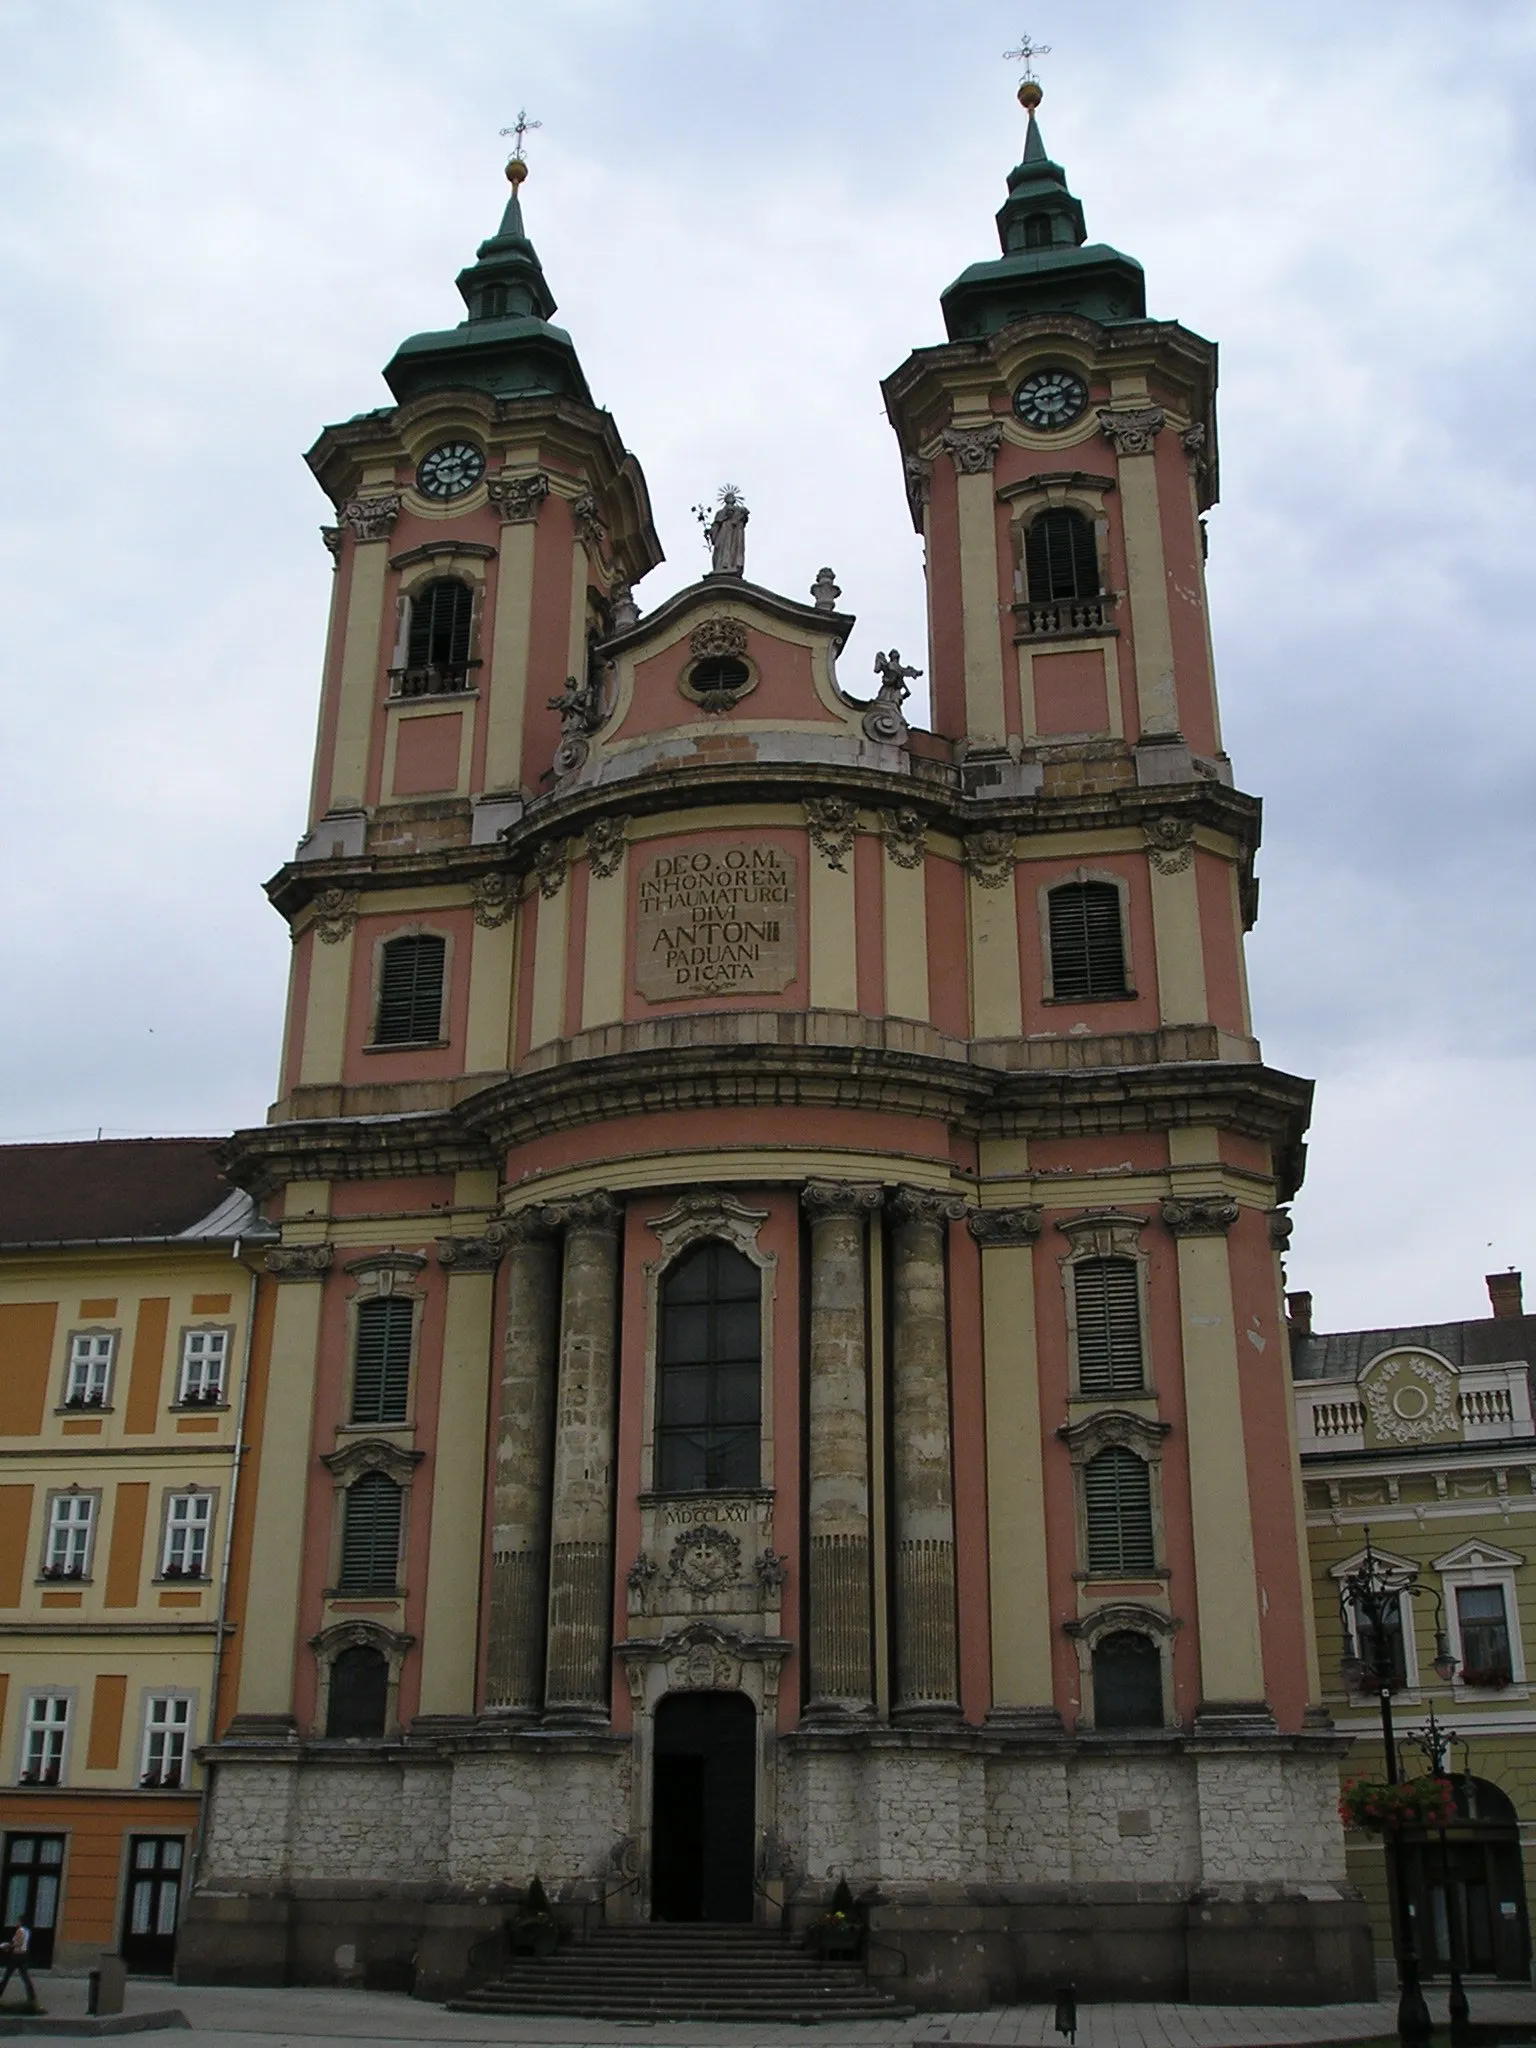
677	1972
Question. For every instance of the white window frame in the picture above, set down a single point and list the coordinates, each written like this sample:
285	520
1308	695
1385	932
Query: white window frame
167	1741
194	1520
204	1364
1405	1604
88	1377
1481	1564
45	1738
71	1535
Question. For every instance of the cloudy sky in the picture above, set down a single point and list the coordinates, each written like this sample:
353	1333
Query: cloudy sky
218	221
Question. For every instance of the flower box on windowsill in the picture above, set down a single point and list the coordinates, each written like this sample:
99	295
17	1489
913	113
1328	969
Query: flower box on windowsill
76	1572
48	1775
161	1781
1486	1677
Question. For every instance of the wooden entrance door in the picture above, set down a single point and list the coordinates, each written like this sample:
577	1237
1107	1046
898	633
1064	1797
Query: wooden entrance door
154	1904
30	1890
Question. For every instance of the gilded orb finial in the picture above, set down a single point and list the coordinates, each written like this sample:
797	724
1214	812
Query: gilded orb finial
517	169
1030	94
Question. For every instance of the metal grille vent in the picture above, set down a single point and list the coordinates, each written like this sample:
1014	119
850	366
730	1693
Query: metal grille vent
370	1535
1117	1494
1087	949
411	991
381	1373
1107	1305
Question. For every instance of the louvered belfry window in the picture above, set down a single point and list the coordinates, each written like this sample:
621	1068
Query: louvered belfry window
381	1372
1106	1303
370	1535
1117	1496
411	991
1087	947
1060	557
440	622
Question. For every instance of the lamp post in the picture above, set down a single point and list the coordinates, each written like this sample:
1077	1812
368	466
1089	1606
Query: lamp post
1436	1743
1367	1596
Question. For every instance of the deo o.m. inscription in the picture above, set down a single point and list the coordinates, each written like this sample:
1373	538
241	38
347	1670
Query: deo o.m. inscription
716	920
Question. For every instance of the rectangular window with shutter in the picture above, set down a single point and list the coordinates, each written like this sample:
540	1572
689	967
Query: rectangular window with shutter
1087	942
411	991
1106	1302
1117	1500
381	1372
370	1535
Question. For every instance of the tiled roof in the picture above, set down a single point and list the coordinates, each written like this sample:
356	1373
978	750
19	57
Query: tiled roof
1491	1340
117	1189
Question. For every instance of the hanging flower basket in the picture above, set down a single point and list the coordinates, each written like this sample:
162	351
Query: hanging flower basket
1412	1803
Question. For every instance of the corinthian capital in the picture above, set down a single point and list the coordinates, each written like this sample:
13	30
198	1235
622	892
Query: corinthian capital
821	1198
597	1211
373	517
299	1261
1200	1215
922	1205
992	1227
517	498
1133	431
973	450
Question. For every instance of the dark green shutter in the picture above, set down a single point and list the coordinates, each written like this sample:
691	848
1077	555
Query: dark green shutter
1087	949
411	991
1061	559
1117	1495
370	1535
440	623
381	1372
1107	1310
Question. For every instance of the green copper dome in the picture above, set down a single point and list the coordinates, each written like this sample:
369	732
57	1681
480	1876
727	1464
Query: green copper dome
507	346
1047	265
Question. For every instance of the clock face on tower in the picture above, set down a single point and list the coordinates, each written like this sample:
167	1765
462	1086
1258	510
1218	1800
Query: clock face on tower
1048	399
450	469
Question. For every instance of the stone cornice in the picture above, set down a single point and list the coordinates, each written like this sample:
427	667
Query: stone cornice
267	1157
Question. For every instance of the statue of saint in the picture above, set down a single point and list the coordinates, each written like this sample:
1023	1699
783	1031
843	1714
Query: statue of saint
726	532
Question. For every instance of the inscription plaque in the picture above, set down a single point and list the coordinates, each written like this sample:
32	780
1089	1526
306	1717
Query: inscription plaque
717	920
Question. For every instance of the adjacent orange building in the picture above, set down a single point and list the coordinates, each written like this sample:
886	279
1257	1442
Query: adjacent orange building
777	1364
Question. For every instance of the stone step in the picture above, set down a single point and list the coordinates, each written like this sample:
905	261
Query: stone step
785	2010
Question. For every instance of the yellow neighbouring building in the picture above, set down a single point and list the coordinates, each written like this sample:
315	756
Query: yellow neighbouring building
128	1307
1424	1438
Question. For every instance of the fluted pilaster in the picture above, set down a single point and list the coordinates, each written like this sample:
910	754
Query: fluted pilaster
581	1524
923	1503
839	1638
520	1500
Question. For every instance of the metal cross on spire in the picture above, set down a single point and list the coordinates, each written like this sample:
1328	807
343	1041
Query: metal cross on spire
1026	54
521	127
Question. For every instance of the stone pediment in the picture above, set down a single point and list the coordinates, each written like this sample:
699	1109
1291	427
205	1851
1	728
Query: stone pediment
1477	1556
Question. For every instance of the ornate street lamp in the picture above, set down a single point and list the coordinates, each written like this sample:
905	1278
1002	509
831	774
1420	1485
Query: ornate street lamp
1435	1744
1367	1597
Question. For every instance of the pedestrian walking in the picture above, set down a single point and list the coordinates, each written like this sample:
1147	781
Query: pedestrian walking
14	1952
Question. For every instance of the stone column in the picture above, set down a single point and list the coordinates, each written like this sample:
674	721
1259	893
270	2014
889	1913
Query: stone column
576	1681
923	1507
520	1502
837	1458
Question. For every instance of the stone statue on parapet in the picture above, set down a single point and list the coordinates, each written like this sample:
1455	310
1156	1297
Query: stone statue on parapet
725	532
895	677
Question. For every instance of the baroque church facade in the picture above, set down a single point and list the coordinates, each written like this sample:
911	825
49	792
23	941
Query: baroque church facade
777	1365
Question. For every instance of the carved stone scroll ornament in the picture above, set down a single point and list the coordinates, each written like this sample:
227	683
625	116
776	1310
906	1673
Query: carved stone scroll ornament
495	899
332	536
973	450
1281	1224
825	591
335	914
832	822
605	846
372	518
1170	843
1199	1215
518	498
999	1227
989	858
924	1205
299	1261
716	637
905	842
550	862
1192	441
919	475
1133	431
703	1212
588	521
472	1254
624	613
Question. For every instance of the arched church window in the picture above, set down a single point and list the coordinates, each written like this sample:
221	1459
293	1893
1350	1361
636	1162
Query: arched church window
1037	231
381	1365
709	1372
370	1535
1117	1508
438	638
359	1694
1087	942
411	990
1106	1304
1127	1681
1061	557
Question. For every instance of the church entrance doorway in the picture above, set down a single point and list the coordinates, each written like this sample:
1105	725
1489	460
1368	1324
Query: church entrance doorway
704	1808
